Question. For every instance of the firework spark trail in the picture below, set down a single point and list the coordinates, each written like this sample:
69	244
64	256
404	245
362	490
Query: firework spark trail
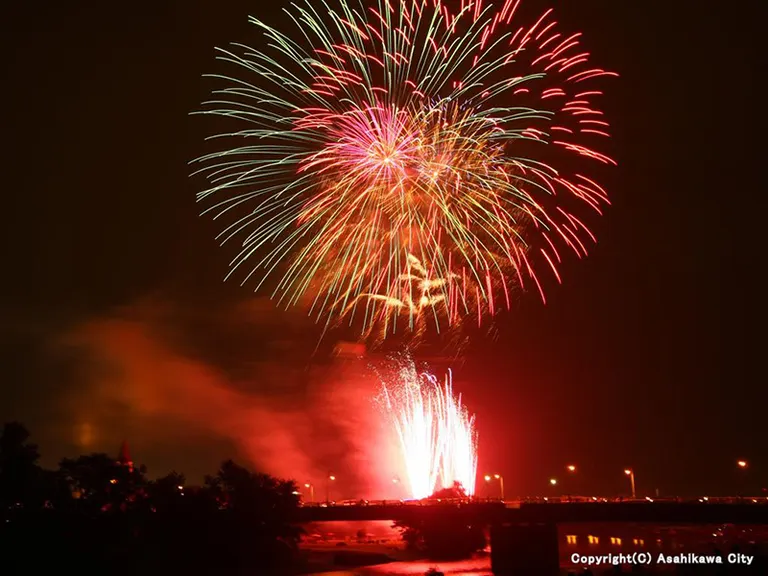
437	435
459	441
391	130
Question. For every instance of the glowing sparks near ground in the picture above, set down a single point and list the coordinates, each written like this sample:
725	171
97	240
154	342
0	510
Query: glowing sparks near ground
437	435
392	132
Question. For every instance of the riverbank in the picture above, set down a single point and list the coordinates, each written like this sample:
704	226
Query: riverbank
330	557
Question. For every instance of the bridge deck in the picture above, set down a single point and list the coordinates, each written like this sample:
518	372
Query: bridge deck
550	513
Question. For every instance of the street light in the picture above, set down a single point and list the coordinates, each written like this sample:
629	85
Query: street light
311	491
631	473
396	482
743	465
571	468
553	481
331	478
498	477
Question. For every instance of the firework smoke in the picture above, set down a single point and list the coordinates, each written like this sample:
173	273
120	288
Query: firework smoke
190	386
437	435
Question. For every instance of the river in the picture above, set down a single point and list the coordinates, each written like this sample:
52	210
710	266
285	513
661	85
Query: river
477	567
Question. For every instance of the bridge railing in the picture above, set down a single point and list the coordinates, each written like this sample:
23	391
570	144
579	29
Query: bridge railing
539	500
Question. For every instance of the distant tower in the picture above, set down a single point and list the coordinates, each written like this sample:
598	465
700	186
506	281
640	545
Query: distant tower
124	458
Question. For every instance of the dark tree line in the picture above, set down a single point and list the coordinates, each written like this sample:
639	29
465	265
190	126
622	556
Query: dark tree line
96	515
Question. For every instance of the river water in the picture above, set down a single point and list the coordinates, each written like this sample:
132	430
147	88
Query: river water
477	567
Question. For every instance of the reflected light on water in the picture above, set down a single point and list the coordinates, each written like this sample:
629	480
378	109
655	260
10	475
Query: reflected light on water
475	567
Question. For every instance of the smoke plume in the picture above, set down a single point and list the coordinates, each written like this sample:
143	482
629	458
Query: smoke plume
189	386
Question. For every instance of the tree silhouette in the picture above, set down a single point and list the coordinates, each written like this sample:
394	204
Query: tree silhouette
107	515
255	518
455	492
440	538
20	476
102	484
249	494
167	493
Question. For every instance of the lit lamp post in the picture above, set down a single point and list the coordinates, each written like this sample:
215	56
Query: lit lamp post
743	465
631	473
311	491
571	470
553	482
498	477
331	478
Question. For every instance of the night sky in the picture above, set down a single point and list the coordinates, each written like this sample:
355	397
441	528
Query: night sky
647	356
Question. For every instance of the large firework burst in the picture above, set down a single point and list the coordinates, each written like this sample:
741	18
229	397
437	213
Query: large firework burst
396	159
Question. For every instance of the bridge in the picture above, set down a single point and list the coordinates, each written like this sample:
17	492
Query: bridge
524	537
555	513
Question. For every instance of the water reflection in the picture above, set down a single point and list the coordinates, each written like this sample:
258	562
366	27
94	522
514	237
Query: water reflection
475	567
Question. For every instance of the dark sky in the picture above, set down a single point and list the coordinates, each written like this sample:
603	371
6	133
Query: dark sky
647	356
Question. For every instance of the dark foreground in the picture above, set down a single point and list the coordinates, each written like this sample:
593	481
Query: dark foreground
334	548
